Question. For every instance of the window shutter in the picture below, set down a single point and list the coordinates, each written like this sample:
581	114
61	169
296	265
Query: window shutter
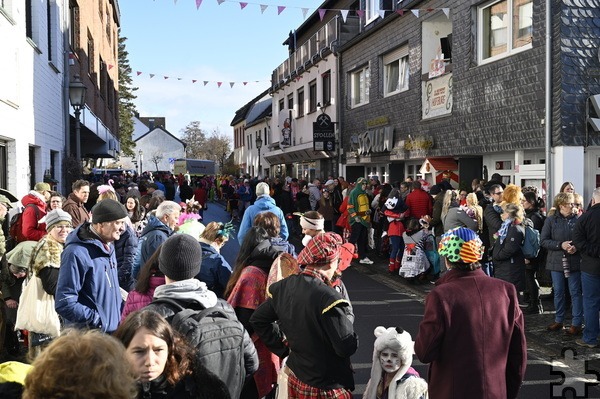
395	54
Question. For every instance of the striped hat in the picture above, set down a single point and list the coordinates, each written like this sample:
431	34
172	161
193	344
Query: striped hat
461	245
323	249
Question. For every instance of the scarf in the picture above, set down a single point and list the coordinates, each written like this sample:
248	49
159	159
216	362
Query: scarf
504	229
309	271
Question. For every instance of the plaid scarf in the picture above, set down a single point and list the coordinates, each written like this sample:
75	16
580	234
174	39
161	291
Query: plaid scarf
309	271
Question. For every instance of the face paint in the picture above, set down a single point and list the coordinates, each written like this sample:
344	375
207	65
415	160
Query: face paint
306	239
390	361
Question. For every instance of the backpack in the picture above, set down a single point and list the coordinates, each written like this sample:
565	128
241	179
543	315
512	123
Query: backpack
531	243
15	229
218	338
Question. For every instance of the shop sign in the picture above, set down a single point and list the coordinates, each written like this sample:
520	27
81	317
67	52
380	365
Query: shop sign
323	133
376	140
437	97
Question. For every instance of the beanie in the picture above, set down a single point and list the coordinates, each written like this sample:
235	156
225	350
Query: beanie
262	188
461	245
54	217
180	257
108	210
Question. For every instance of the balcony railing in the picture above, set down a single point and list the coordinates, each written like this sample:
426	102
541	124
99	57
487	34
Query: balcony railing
306	52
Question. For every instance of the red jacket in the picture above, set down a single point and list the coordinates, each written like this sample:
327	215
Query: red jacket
473	327
343	219
31	230
396	227
419	203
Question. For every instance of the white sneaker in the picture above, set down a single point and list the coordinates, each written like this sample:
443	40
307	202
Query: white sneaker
366	261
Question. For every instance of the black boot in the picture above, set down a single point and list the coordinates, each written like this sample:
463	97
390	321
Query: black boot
534	307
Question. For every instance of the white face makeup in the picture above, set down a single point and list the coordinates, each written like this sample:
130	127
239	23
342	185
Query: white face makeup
390	361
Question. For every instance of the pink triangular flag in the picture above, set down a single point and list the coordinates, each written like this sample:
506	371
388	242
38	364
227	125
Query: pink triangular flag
205	82
245	83
194	80
243	5
322	12
401	12
151	75
447	12
198	4
263	7
360	13
344	14
219	84
304	12
231	84
110	67
139	73
415	12
430	9
280	9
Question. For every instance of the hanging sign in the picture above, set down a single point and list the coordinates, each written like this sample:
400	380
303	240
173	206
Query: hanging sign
323	134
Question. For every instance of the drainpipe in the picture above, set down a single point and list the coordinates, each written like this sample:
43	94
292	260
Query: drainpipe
65	95
548	102
338	105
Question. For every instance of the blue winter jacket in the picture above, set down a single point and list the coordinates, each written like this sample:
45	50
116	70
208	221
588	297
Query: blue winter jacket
153	235
125	250
87	292
264	203
215	271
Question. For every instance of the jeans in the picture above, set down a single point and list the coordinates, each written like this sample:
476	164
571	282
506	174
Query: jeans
591	306
558	282
397	244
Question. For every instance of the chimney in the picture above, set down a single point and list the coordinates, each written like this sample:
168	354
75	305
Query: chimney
151	123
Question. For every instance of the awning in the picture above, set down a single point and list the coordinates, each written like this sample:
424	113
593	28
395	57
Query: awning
439	165
299	153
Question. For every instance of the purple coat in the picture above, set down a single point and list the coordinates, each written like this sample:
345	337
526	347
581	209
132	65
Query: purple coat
473	334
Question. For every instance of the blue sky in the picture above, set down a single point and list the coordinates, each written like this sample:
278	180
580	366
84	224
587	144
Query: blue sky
214	43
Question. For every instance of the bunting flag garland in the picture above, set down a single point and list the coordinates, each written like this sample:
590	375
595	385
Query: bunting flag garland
321	11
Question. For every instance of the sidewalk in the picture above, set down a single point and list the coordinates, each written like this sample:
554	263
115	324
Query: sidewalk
551	344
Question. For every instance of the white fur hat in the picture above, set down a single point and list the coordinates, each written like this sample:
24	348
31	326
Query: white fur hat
397	340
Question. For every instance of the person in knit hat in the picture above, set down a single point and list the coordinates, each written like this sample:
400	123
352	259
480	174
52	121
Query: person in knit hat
180	261
495	361
87	292
315	331
392	376
264	202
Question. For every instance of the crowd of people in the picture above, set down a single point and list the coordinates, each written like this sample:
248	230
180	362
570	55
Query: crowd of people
132	262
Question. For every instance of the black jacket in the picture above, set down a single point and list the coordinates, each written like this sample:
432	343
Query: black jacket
509	262
586	238
320	337
557	230
201	384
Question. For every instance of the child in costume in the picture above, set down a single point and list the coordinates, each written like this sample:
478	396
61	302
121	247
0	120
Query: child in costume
395	212
392	376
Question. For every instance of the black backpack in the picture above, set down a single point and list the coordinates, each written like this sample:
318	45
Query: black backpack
218	338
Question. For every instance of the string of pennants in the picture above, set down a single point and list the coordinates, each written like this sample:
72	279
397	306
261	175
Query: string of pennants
344	12
263	7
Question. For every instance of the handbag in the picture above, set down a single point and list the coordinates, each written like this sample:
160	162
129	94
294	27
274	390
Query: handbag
36	310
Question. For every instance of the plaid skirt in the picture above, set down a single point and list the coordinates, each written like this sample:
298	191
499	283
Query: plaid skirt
299	390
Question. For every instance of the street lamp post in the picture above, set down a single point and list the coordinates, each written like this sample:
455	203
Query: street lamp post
259	144
141	154
77	97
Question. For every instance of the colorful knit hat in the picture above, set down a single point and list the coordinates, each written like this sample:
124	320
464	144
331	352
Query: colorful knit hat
323	249
461	245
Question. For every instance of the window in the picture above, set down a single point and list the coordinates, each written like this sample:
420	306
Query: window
359	87
281	105
301	102
371	10
6	7
108	26
504	28
326	88
290	102
90	54
29	19
312	96
74	24
395	71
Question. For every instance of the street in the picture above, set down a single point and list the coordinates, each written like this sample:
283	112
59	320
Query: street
380	299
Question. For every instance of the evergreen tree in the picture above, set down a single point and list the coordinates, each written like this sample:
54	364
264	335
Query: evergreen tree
126	98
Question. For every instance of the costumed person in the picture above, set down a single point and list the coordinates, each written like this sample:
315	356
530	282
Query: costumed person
359	217
215	270
191	209
392	376
394	212
312	223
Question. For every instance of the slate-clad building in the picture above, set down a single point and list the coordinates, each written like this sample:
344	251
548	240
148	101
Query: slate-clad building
464	82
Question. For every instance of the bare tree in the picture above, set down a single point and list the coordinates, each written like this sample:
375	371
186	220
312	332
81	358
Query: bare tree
155	158
219	146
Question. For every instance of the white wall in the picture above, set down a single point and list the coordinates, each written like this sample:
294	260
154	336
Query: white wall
159	142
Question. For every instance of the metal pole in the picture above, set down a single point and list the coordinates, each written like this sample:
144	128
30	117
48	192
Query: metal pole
77	134
258	174
548	103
